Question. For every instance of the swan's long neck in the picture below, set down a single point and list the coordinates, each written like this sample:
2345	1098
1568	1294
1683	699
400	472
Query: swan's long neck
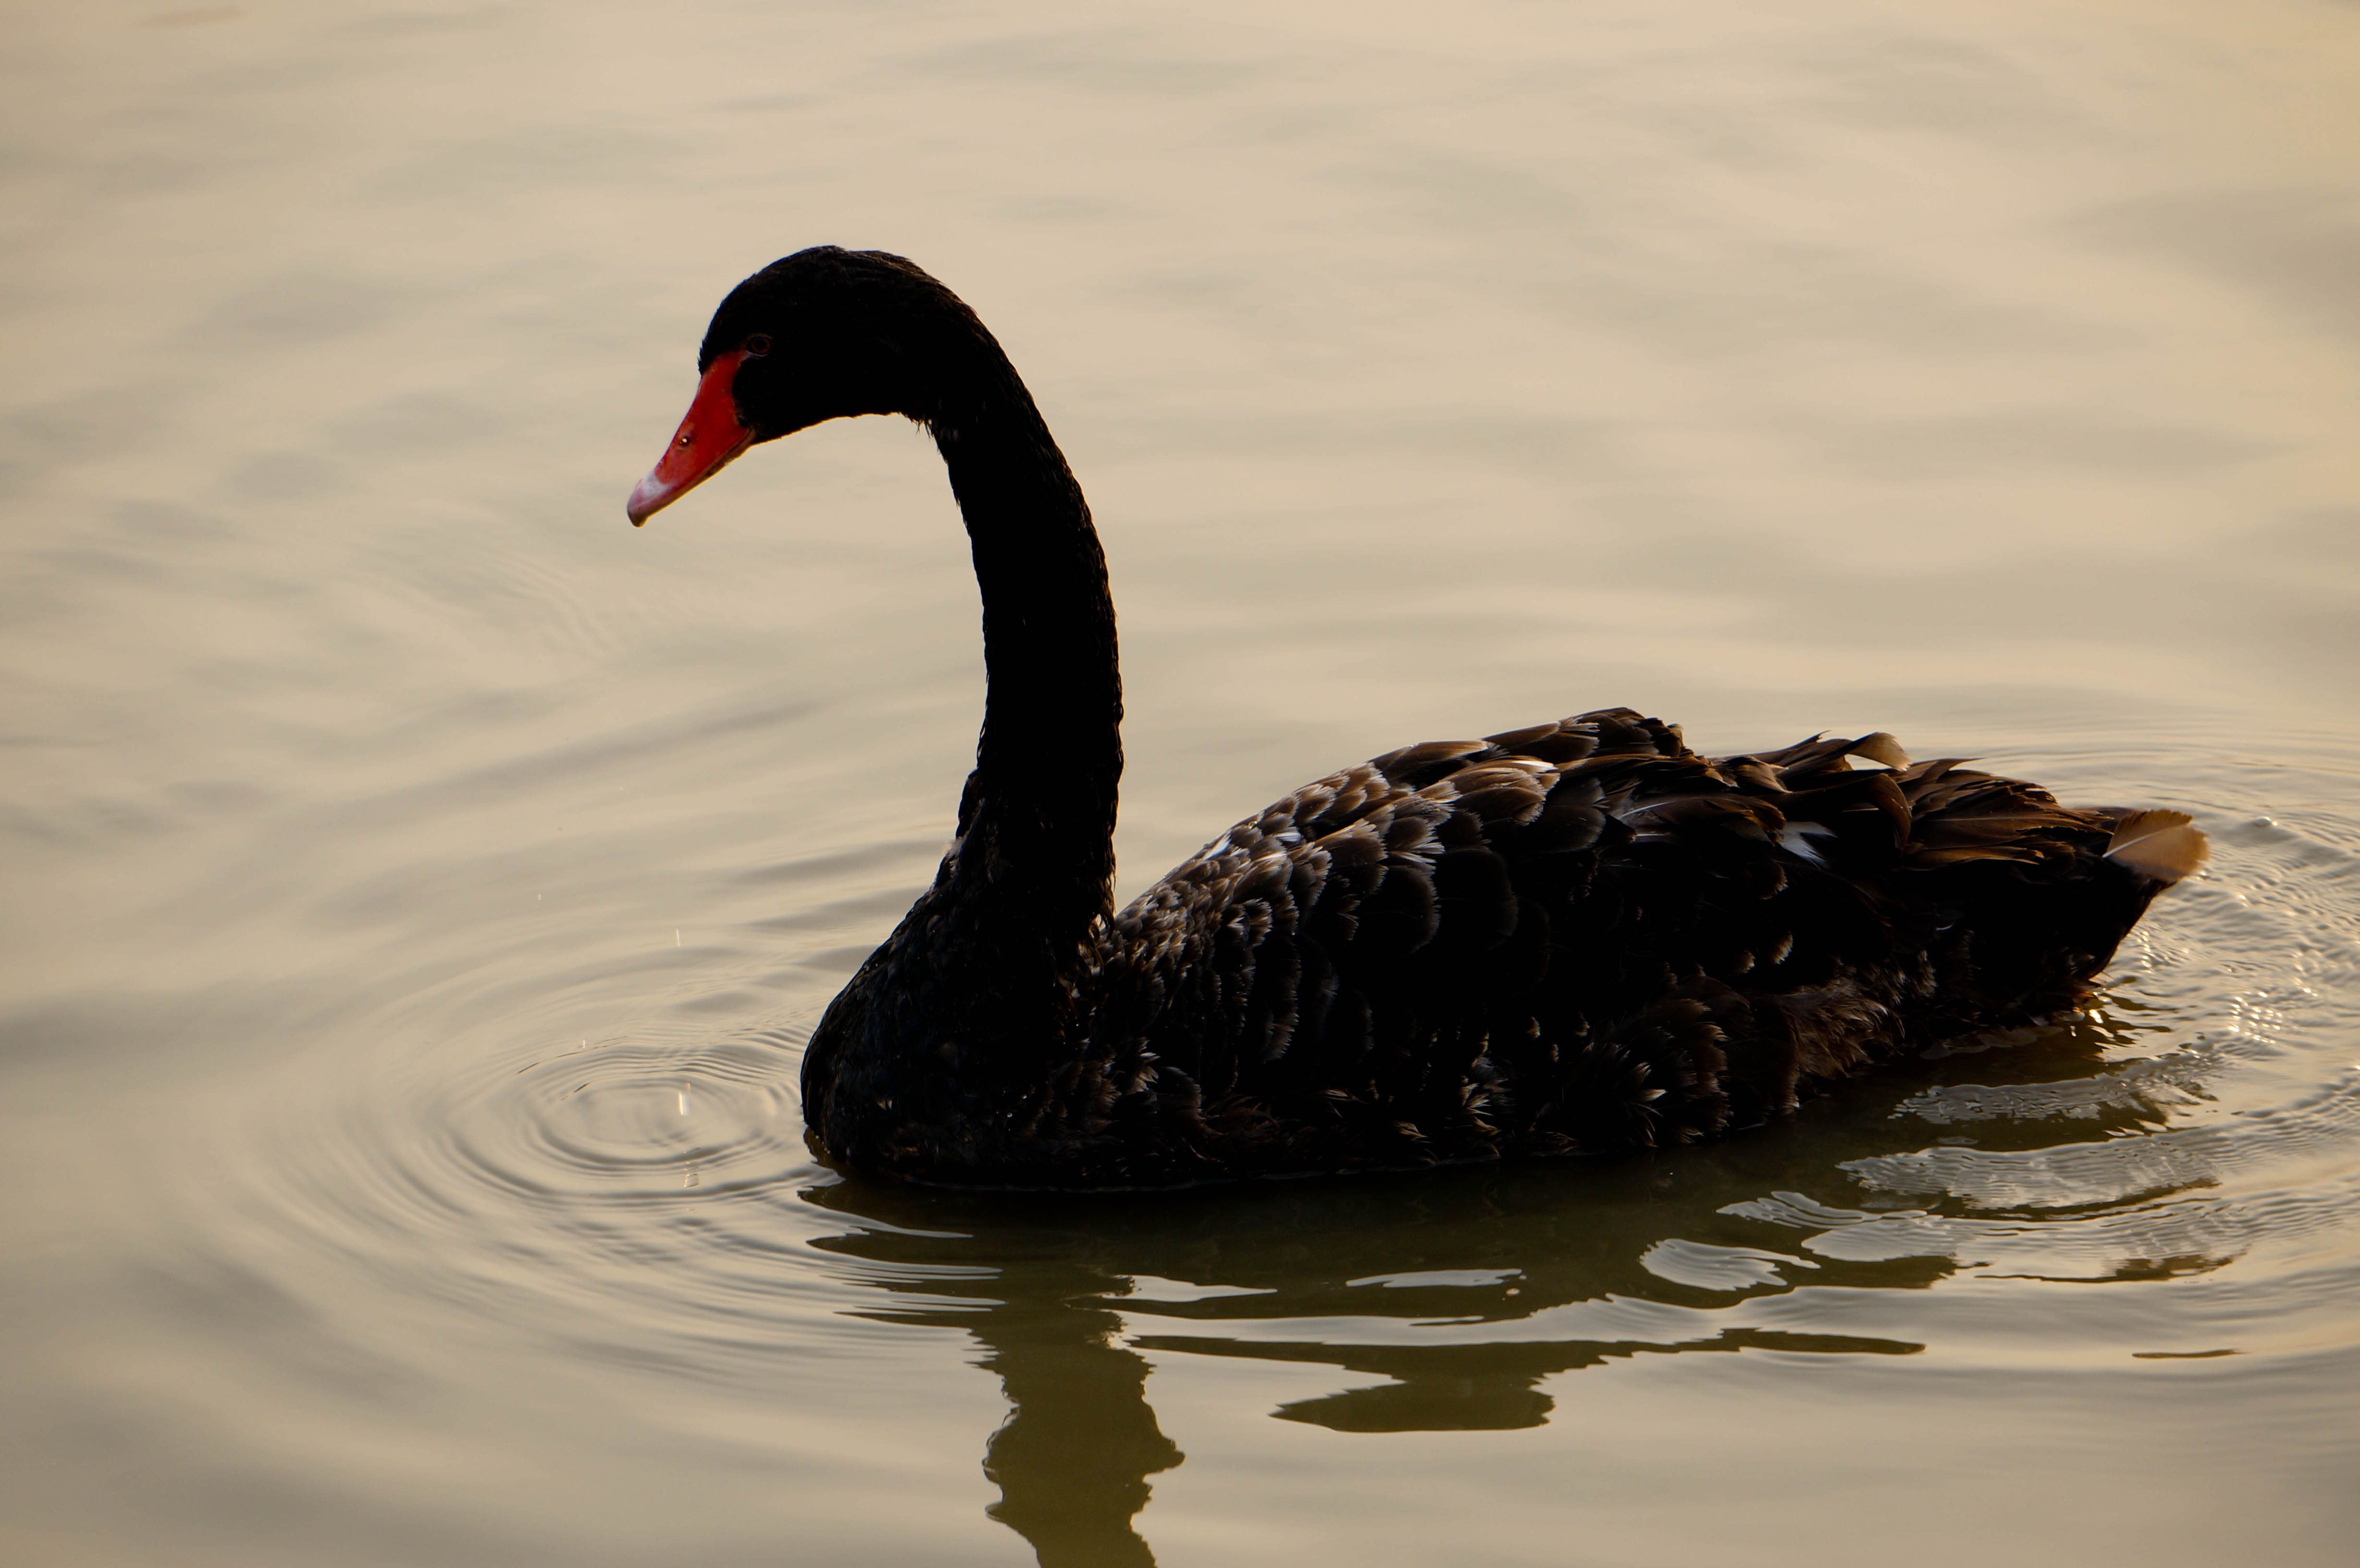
1037	824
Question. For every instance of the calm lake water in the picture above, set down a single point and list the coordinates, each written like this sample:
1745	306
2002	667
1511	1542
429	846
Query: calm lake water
420	884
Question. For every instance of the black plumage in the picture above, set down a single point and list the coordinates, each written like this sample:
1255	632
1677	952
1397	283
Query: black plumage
1580	937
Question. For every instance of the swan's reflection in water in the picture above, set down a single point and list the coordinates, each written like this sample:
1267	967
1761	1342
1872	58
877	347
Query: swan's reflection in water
1464	1290
1073	1457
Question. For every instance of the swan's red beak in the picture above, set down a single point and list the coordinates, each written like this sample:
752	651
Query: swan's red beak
703	445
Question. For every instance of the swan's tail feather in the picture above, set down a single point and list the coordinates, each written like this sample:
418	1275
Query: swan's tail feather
2164	846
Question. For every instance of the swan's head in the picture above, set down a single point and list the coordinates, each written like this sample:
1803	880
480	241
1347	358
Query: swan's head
818	336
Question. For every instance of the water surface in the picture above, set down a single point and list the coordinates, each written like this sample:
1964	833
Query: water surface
420	884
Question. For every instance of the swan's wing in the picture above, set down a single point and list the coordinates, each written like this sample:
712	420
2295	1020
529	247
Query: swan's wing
1348	952
1583	935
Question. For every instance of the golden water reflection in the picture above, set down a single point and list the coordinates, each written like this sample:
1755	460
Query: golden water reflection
1982	374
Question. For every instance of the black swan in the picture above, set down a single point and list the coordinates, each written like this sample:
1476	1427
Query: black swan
1580	937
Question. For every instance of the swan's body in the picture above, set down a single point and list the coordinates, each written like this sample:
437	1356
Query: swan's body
1580	937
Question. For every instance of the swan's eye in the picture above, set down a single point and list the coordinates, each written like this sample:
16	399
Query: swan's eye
758	345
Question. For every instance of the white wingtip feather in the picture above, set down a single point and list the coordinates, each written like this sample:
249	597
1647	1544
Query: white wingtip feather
2165	845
